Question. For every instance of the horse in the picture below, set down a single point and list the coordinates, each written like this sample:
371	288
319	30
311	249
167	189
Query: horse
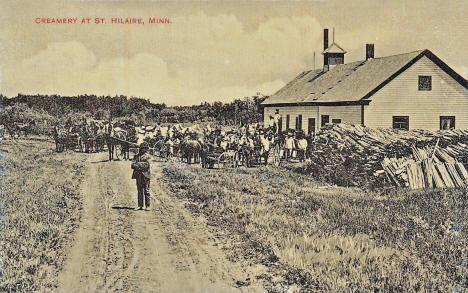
191	149
246	155
118	137
59	139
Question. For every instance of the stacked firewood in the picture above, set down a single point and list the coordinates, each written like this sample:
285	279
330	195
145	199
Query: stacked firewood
349	155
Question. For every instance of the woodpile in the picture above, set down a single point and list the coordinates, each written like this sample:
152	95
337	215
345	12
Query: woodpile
349	155
426	168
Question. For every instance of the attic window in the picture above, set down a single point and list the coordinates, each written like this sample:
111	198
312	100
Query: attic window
425	83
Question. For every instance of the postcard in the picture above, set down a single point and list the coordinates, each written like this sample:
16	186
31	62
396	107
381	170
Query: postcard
233	146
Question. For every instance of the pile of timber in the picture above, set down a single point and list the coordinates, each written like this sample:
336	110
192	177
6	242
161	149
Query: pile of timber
426	168
353	155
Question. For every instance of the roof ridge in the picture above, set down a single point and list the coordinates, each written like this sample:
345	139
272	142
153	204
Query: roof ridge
420	51
341	83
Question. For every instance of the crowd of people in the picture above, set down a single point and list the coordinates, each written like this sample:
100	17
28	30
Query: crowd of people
252	141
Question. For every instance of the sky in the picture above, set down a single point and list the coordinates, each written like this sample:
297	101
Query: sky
210	50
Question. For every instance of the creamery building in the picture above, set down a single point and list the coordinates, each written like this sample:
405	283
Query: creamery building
415	90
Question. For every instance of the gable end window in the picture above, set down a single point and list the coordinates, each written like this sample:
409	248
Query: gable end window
425	83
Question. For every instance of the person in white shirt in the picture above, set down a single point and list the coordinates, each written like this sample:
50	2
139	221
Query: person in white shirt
277	119
265	142
301	148
288	147
271	122
170	147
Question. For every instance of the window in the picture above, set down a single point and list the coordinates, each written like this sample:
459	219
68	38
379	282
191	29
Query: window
335	60
299	123
325	119
287	122
447	122
425	83
336	121
401	122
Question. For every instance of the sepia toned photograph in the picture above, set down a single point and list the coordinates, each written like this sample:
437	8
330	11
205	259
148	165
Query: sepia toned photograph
233	146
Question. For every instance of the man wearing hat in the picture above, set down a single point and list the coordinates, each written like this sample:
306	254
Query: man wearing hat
141	172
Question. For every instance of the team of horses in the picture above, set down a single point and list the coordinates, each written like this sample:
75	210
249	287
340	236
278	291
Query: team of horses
16	129
206	149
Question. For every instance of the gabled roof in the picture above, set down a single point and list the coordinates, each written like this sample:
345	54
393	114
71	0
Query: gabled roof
352	83
334	48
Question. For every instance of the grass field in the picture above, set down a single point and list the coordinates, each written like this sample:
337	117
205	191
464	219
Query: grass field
334	239
320	238
40	202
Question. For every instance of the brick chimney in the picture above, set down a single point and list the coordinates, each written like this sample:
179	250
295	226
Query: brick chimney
325	39
369	51
325	46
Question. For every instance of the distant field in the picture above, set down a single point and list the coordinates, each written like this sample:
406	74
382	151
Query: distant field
333	239
40	200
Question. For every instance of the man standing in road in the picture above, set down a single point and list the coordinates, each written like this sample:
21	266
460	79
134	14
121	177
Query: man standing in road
141	172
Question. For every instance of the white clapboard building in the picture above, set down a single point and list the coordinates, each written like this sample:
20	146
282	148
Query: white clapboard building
415	90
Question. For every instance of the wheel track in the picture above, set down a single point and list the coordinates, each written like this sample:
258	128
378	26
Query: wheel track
164	250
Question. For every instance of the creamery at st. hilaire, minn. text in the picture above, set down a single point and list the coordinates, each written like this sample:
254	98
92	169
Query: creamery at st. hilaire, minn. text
130	20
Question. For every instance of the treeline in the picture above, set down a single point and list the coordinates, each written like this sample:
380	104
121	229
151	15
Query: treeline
142	111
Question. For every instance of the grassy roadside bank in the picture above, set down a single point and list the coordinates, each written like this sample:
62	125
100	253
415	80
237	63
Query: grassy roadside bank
41	202
333	239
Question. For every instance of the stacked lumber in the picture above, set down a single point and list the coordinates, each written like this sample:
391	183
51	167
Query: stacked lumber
349	155
423	170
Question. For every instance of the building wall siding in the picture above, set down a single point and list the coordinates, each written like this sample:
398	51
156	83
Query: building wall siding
347	114
401	97
293	111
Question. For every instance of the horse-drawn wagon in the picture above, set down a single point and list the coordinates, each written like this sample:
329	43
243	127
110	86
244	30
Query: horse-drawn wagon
160	150
220	158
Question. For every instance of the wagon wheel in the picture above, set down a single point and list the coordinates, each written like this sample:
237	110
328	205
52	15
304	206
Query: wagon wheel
247	158
230	159
227	163
221	159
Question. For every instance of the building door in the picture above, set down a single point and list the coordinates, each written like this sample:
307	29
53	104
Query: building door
299	123
447	122
325	120
401	122
310	126
287	121
280	124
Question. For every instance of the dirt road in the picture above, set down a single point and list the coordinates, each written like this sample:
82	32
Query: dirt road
167	249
